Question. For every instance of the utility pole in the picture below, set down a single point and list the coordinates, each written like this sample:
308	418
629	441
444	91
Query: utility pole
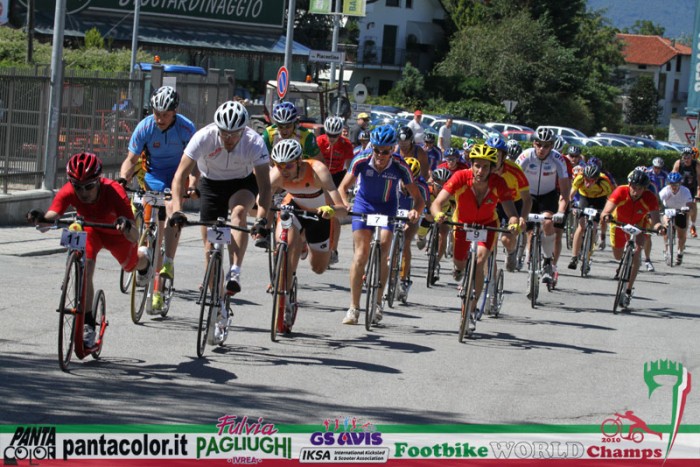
290	37
334	45
30	31
54	117
134	45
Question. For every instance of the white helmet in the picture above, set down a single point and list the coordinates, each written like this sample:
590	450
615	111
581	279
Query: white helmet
544	135
333	125
231	116
559	143
165	98
286	150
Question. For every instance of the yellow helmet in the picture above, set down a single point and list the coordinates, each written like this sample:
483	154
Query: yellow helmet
481	151
414	164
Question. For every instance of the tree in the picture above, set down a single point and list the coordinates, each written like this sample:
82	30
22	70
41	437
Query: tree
643	105
645	27
93	39
410	90
314	31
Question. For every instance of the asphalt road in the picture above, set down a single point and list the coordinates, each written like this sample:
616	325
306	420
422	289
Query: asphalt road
570	361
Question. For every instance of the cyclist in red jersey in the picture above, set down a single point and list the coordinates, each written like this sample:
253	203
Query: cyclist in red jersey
477	192
451	161
337	152
631	204
98	200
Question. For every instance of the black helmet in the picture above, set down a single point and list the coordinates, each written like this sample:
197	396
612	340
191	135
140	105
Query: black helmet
639	178
405	134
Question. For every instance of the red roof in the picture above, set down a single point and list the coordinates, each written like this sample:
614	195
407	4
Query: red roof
650	50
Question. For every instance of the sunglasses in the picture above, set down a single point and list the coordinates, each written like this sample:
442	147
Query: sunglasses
385	152
543	145
333	136
230	134
85	186
286	165
285	126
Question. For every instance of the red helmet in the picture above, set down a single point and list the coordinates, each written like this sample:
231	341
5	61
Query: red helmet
83	167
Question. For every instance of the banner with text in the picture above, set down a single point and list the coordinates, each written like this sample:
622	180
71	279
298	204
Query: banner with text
350	7
694	82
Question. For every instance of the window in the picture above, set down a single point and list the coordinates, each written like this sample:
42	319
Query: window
409	3
396	3
668	65
385	86
678	63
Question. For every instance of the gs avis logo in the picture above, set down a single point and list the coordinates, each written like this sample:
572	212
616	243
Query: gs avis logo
31	443
346	432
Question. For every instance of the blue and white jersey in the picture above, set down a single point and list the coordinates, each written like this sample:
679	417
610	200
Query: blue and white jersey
658	180
378	192
407	202
163	149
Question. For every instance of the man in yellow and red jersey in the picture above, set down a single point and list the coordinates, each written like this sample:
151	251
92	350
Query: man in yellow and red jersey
517	181
477	192
631	204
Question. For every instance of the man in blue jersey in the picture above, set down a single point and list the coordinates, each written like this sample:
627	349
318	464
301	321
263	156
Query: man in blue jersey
157	145
379	172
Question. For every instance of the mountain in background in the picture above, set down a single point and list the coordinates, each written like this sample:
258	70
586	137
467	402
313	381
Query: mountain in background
676	16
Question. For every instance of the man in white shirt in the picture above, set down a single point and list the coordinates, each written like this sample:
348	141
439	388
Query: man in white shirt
235	167
676	196
418	132
445	136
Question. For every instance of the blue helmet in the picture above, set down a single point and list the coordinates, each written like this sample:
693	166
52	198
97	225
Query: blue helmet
451	152
674	177
284	112
497	142
596	161
384	135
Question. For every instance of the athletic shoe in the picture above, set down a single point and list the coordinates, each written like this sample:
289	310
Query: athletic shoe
351	316
221	327
233	283
649	266
679	259
142	278
457	275
420	243
334	257
693	232
289	315
547	274
436	274
157	304
625	300
378	314
573	264
88	336
304	251
601	245
168	271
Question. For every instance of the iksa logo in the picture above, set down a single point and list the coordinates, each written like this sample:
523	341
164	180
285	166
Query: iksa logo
346	432
626	427
33	443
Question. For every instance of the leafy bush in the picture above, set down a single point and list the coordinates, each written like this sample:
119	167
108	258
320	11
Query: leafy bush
621	161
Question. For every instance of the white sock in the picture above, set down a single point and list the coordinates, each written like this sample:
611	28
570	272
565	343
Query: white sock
548	245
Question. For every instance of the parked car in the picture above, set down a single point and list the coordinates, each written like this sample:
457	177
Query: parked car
637	141
581	142
612	141
519	135
464	129
503	127
380	114
564	131
671	146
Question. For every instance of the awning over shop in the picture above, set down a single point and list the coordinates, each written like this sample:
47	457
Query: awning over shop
173	35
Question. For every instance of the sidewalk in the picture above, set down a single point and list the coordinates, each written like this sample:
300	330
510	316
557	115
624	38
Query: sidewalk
28	241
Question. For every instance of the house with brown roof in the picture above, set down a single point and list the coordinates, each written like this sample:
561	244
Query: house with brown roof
666	61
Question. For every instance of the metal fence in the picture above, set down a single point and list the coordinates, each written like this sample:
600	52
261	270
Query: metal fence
98	114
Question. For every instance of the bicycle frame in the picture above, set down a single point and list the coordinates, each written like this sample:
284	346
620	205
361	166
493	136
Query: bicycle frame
625	264
670	214
535	257
589	234
395	258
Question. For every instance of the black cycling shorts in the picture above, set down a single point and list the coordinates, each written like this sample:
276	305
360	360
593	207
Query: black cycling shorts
215	195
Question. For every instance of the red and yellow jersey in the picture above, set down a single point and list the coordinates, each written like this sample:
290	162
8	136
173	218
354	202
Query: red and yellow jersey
630	211
515	178
598	189
468	209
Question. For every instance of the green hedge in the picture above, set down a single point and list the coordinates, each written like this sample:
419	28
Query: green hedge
621	161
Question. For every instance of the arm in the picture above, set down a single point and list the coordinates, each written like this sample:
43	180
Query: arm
418	202
424	163
440	199
129	166
325	180
564	187
347	182
527	205
180	180
262	177
608	209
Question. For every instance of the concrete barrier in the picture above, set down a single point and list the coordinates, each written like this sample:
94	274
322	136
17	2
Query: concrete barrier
14	206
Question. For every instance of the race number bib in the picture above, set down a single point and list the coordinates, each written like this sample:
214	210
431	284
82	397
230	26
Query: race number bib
539	218
670	212
402	213
591	212
73	240
476	235
377	220
219	235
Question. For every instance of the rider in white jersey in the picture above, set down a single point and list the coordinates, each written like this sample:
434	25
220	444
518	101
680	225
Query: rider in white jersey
546	171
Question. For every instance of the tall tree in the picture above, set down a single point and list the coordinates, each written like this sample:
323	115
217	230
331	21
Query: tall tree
643	104
645	27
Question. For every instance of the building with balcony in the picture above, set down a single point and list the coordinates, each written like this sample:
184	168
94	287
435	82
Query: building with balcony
667	62
393	33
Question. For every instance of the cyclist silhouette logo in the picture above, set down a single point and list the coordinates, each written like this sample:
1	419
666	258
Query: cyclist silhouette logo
612	427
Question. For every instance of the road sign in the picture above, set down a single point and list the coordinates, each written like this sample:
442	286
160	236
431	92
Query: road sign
326	56
282	82
360	93
510	105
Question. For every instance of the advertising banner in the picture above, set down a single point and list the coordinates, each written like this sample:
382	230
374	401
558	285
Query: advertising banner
694	82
